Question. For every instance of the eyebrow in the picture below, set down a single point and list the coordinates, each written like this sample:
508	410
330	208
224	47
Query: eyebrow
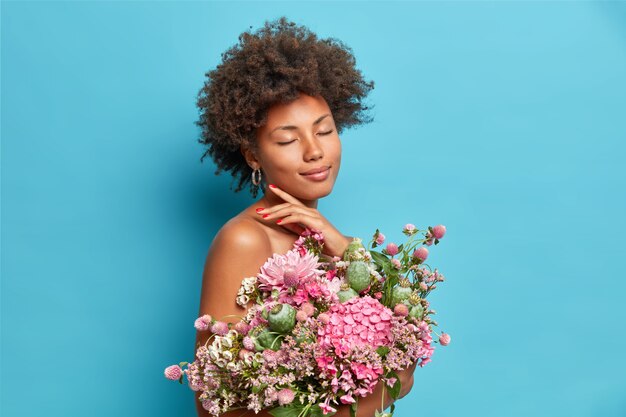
291	127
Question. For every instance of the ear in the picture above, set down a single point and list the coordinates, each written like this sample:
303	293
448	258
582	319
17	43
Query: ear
249	155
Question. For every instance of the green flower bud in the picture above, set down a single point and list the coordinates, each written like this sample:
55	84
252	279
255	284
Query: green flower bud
417	312
266	340
352	249
282	320
358	275
345	295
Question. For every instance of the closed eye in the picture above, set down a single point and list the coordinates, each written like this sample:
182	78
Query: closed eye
293	140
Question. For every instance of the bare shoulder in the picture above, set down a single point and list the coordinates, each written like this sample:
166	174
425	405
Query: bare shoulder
239	235
238	251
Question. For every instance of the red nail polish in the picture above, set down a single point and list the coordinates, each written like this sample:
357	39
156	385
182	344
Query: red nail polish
265	215
279	220
259	209
272	185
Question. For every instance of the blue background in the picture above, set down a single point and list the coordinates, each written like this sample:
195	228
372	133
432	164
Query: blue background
504	121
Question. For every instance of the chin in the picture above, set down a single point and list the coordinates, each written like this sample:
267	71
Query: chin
311	192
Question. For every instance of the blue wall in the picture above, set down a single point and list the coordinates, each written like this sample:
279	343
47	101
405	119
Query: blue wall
503	121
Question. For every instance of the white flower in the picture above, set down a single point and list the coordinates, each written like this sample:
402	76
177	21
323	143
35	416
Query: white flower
227	342
243	300
232	366
227	355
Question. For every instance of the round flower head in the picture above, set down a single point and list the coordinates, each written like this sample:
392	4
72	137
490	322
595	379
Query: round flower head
380	239
421	253
173	372
360	320
285	396
219	328
392	249
439	231
444	339
202	323
408	229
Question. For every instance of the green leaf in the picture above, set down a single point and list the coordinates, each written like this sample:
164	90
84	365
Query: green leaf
382	351
379	259
256	389
353	409
394	391
393	407
400	248
291	410
316	411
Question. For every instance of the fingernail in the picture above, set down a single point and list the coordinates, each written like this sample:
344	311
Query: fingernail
260	209
279	220
265	215
272	186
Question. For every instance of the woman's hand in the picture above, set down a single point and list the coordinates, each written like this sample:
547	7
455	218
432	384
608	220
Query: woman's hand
293	215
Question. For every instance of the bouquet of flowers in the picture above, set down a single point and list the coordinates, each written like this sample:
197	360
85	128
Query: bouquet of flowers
321	331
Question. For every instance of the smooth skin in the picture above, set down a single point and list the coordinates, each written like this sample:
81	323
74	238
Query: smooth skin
298	136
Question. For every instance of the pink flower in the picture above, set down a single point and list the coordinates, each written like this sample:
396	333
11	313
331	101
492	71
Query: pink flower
202	323
421	253
308	308
439	231
392	249
324	318
396	263
219	328
302	268
423	286
444	339
301	316
408	228
380	239
401	310
290	276
285	396
243	353
378	295
326	408
173	372
358	321
248	343
242	327
347	399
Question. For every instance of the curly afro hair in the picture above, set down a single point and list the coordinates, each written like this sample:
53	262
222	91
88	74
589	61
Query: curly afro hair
269	66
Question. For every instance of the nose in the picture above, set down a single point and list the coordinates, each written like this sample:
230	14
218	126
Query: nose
313	150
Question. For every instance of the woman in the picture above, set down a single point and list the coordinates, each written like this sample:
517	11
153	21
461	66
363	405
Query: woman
271	114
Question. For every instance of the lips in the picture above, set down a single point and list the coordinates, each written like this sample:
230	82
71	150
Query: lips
315	170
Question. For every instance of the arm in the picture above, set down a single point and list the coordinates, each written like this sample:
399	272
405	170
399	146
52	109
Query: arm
368	405
238	250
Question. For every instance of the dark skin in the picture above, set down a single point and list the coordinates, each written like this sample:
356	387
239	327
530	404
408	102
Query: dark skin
308	126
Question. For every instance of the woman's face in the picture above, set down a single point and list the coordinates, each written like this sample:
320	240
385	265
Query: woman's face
298	137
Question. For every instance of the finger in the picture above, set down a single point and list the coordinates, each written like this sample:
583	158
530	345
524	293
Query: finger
294	228
303	219
287	210
268	210
285	196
